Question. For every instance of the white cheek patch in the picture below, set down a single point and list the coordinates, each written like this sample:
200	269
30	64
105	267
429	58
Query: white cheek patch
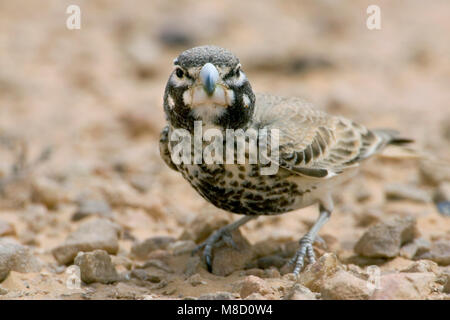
187	98
179	82
230	97
246	100
239	81
170	102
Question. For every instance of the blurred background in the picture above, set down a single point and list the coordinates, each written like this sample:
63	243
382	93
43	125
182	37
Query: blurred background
81	111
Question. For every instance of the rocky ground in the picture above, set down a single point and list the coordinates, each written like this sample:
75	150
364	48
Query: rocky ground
88	210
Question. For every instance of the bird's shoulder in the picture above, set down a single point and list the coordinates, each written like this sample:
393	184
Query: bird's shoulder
312	142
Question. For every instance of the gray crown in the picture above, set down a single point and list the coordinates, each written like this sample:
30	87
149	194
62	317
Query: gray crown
198	56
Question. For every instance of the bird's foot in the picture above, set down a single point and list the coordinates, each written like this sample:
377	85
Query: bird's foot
305	250
220	236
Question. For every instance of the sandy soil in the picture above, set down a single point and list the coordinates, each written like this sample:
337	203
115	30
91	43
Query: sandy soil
93	98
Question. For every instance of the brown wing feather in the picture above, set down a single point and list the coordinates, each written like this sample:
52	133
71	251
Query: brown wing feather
313	143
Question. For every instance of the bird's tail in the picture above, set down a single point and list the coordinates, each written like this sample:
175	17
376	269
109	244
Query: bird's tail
392	137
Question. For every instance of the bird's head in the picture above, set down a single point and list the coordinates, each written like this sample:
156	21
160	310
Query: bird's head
208	84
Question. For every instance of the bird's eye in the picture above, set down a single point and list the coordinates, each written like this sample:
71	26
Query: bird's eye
238	71
179	73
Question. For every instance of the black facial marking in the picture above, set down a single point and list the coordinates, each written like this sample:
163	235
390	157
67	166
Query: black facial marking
238	115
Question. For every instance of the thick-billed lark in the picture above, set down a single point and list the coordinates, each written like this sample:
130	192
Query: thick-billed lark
316	151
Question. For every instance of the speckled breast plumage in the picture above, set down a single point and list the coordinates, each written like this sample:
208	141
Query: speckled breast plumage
242	189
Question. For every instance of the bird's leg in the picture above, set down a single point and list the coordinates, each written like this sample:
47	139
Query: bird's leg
222	234
306	248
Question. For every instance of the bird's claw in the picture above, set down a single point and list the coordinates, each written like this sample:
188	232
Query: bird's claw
306	250
220	236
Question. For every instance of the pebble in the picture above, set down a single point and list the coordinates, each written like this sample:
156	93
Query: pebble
368	217
271	261
439	252
404	286
94	234
203	226
434	172
422	266
314	275
299	292
90	207
193	266
182	247
3	291
345	286
196	280
253	284
406	192
444	208
146	275
16	257
96	266
227	259
410	249
141	250
384	239
6	229
446	288
47	192
442	193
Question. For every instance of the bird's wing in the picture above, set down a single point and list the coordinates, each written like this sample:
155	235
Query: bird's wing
313	143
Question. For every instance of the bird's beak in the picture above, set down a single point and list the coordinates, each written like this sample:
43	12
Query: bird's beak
209	76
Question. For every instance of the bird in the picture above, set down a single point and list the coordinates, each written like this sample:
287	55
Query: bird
317	151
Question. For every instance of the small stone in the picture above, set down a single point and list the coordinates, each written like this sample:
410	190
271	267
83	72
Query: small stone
95	234
254	272
182	247
141	250
158	264
404	286
47	192
196	280
299	292
227	259
146	275
271	273
439	252
444	208
252	284
96	266
410	249
384	239
271	261
90	207
446	288
15	257
345	286
203	226
368	217
122	262
3	291
434	172
422	266
406	192
217	296
193	266
266	248
442	193
315	274
6	229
